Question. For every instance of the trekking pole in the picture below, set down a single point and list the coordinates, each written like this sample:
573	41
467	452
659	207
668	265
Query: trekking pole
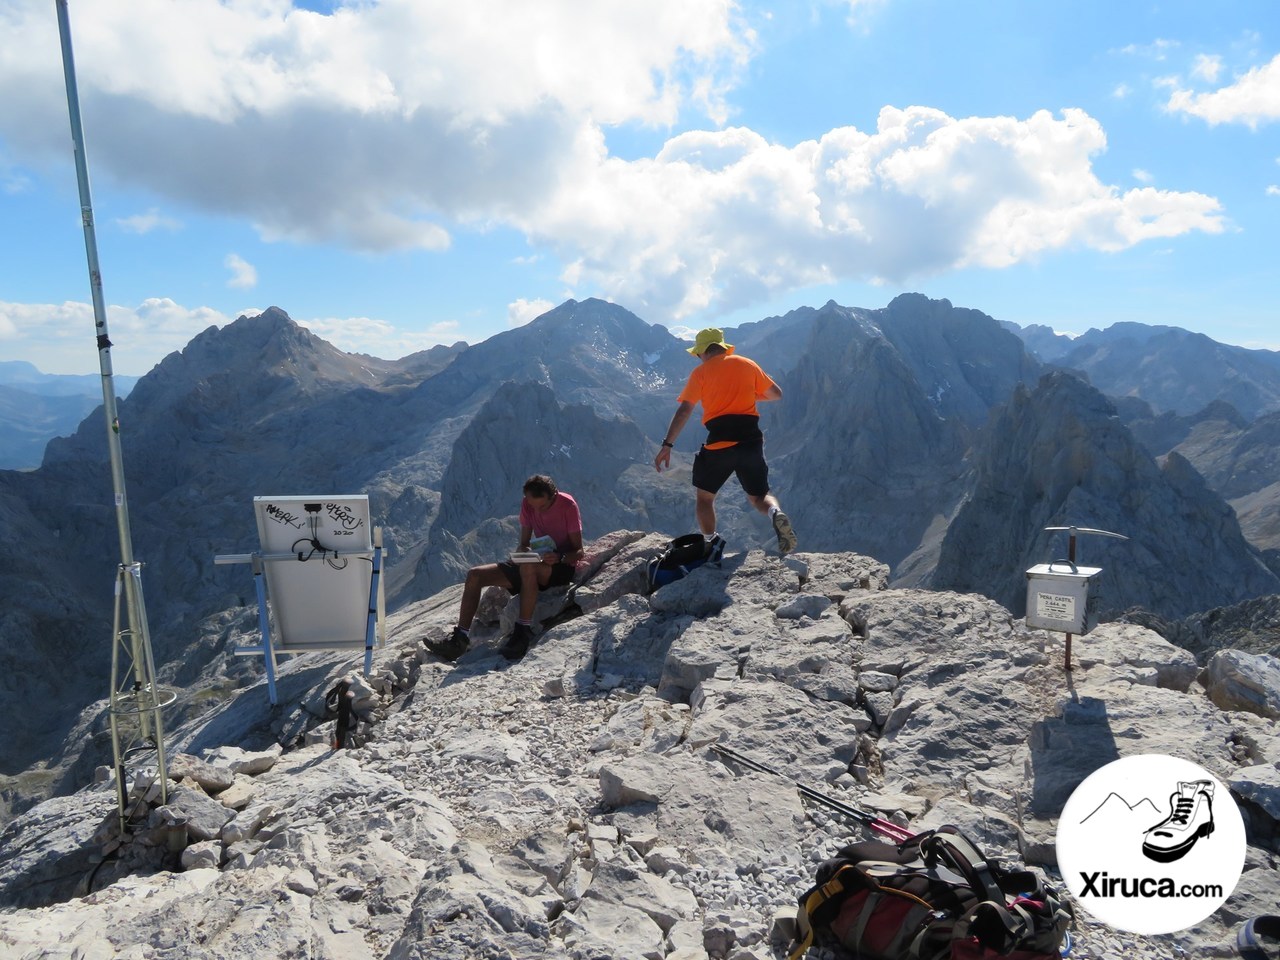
880	825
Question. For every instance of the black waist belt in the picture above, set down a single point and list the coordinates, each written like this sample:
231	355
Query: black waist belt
735	427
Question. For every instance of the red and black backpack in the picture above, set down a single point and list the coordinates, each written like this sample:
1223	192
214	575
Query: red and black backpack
932	897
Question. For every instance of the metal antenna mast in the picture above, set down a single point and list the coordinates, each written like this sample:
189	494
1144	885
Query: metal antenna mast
136	701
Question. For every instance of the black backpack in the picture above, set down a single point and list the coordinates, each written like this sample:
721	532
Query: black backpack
932	897
680	556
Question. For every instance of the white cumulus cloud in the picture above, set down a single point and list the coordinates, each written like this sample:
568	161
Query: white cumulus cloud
1252	100
719	219
387	125
379	126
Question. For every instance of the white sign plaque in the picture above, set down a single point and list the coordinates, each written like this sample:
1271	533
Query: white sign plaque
1053	606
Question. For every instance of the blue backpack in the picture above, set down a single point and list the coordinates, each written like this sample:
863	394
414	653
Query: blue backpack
680	556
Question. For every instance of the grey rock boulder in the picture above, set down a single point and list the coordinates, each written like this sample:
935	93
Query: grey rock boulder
1245	681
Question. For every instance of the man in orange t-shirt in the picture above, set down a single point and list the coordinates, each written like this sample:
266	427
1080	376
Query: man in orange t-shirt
728	387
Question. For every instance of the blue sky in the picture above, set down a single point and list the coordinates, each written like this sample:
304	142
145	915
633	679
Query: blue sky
403	173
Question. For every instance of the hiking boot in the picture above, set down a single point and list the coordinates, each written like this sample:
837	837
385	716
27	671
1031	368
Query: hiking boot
450	648
517	644
715	549
1191	818
786	536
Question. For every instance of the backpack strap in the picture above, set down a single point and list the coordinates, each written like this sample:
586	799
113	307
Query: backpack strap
1248	940
998	926
821	903
684	550
933	938
651	575
1060	915
959	853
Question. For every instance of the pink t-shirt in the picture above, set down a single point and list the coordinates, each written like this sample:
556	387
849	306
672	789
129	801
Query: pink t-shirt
558	521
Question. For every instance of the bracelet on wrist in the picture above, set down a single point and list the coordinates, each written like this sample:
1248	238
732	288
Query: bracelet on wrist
667	443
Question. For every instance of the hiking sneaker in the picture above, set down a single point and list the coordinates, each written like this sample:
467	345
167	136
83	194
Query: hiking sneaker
450	648
715	549
786	536
517	644
1190	818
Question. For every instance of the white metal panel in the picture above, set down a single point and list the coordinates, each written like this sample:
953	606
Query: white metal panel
318	554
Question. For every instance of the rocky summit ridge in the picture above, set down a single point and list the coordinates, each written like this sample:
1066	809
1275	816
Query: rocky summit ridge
568	805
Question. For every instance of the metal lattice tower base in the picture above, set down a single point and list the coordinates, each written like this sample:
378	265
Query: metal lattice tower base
137	725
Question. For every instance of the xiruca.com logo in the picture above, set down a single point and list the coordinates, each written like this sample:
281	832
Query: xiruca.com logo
1150	844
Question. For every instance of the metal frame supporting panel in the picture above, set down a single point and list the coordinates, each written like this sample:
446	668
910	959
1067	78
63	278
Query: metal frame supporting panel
374	633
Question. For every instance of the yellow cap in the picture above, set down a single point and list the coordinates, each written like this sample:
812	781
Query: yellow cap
706	338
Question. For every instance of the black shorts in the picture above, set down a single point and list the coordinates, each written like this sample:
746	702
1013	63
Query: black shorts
561	574
711	468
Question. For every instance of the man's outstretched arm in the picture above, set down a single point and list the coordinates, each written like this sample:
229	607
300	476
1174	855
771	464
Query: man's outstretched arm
678	420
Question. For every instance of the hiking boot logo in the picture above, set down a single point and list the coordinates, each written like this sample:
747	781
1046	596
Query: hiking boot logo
1190	818
1138	864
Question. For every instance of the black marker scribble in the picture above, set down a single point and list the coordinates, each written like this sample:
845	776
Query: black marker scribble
340	514
281	515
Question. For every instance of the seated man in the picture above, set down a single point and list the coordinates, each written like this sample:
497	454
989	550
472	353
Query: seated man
551	523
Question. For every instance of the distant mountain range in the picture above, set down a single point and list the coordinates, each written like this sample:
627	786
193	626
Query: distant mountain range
1172	369
36	407
927	436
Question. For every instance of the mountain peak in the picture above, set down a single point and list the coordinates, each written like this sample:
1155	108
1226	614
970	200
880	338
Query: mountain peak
916	301
268	345
273	315
590	314
1059	455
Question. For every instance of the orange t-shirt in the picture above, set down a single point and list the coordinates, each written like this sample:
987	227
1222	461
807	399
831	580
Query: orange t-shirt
725	384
